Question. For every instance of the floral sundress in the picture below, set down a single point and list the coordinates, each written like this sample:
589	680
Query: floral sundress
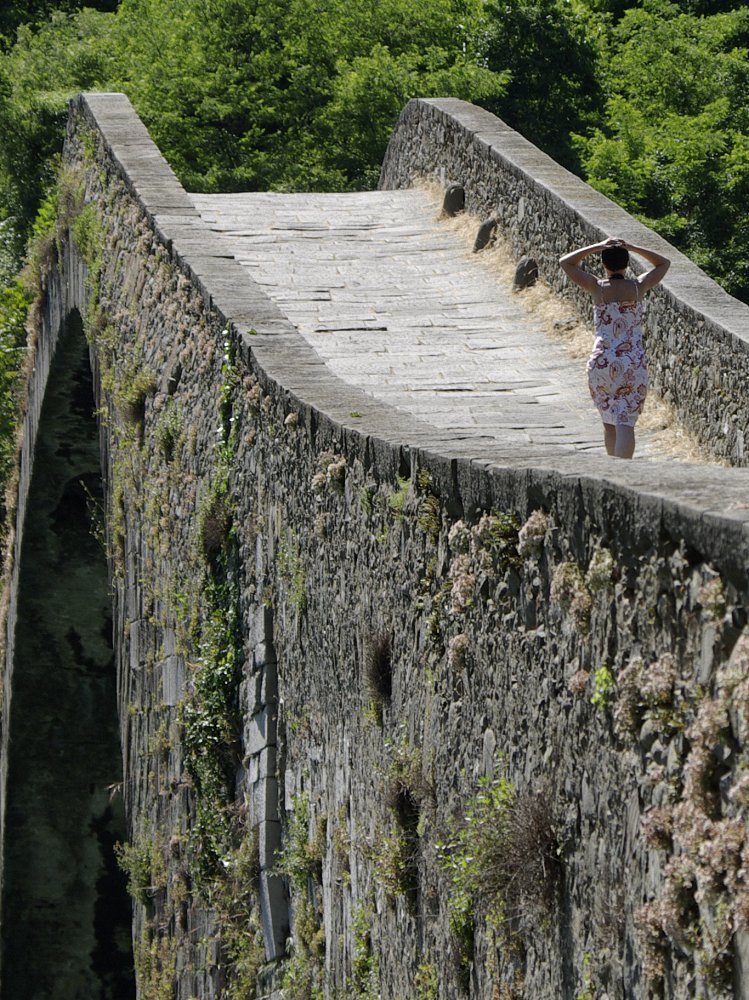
617	374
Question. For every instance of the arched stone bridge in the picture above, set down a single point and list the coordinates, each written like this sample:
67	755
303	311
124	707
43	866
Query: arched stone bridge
365	550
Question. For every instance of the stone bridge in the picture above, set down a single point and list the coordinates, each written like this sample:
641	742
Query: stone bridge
366	557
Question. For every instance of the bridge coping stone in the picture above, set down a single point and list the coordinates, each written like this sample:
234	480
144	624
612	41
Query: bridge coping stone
685	279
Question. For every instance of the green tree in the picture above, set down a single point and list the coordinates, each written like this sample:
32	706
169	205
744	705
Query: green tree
14	13
674	147
254	94
14	304
551	51
70	52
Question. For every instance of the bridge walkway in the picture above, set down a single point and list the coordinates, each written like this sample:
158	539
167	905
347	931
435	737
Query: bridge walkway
395	303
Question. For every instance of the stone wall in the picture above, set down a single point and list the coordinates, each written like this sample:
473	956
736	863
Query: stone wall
697	334
341	630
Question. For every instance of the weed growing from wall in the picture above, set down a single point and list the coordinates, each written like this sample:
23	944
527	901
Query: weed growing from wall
143	862
291	571
300	860
604	686
397	499
155	964
569	591
378	668
301	856
365	965
235	900
426	982
210	716
501	859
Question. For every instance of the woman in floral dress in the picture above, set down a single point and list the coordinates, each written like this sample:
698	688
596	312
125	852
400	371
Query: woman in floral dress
617	374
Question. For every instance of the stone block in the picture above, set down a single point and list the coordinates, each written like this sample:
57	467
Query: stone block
260	731
261	765
269	842
269	683
264	801
173	680
274	915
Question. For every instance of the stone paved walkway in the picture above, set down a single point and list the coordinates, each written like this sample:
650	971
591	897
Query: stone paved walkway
394	303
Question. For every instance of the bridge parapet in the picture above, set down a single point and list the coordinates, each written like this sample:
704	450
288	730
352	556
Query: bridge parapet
697	334
503	593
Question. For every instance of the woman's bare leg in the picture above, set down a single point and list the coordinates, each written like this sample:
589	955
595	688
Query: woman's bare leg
625	441
609	438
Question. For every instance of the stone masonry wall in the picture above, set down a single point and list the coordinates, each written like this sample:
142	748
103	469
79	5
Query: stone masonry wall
697	336
340	633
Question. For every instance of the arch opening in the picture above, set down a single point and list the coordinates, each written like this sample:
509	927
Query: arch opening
66	917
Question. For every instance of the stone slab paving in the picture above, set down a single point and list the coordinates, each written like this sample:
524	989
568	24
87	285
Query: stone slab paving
393	302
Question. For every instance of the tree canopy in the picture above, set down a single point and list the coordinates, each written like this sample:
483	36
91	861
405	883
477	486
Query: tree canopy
647	100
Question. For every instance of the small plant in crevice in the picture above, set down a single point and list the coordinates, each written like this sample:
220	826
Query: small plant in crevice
169	429
462	583
291	571
301	856
378	667
711	597
300	860
142	860
395	857
457	651
604	687
704	897
586	985
367	495
155	959
409	797
651	691
601	570
532	534
134	385
210	712
497	533
397	499
407	790
365	965
501	859
426	982
428	517
214	516
302	977
331	472
230	382
234	899
578	682
573	597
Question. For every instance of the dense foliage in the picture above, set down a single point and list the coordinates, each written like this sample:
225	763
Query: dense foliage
674	145
647	99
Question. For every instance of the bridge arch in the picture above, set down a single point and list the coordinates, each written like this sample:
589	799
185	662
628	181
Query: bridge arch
272	529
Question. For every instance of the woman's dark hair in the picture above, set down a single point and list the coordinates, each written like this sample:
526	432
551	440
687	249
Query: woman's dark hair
615	258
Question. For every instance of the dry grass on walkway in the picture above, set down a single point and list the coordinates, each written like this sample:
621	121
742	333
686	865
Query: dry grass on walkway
659	424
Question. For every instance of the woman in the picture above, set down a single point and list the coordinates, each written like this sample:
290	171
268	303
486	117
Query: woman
617	375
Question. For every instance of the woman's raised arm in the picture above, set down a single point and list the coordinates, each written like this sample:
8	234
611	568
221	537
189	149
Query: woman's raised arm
658	271
570	264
